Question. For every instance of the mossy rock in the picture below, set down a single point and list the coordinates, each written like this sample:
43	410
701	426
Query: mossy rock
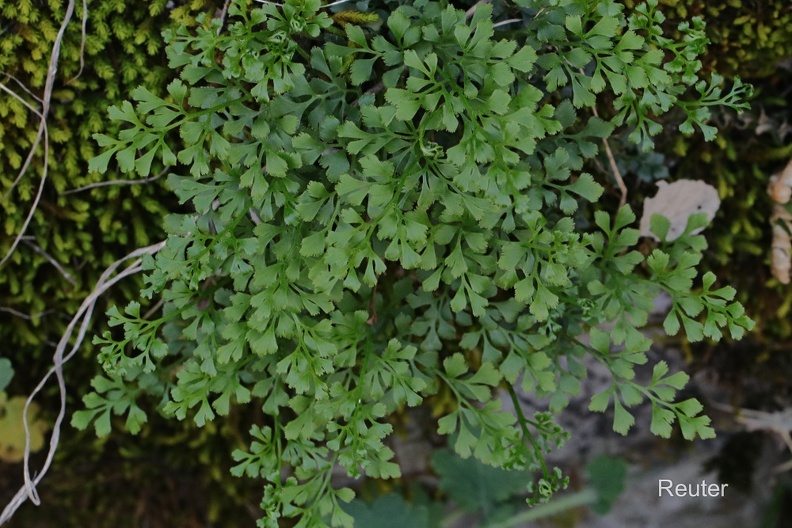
748	39
111	481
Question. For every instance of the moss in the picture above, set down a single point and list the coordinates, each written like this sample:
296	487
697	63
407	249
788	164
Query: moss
748	38
84	232
171	476
94	482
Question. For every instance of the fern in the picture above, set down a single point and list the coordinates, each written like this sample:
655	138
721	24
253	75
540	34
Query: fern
393	214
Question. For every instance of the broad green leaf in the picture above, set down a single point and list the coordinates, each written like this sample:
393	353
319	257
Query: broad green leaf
476	486
607	476
6	373
388	511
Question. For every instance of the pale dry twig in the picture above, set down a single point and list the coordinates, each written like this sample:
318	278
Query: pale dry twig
83	318
42	130
613	166
83	29
116	182
66	275
469	13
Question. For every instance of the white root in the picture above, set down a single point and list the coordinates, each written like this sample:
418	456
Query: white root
83	319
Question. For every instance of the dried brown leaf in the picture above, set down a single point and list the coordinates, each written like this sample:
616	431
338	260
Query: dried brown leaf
677	201
780	190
